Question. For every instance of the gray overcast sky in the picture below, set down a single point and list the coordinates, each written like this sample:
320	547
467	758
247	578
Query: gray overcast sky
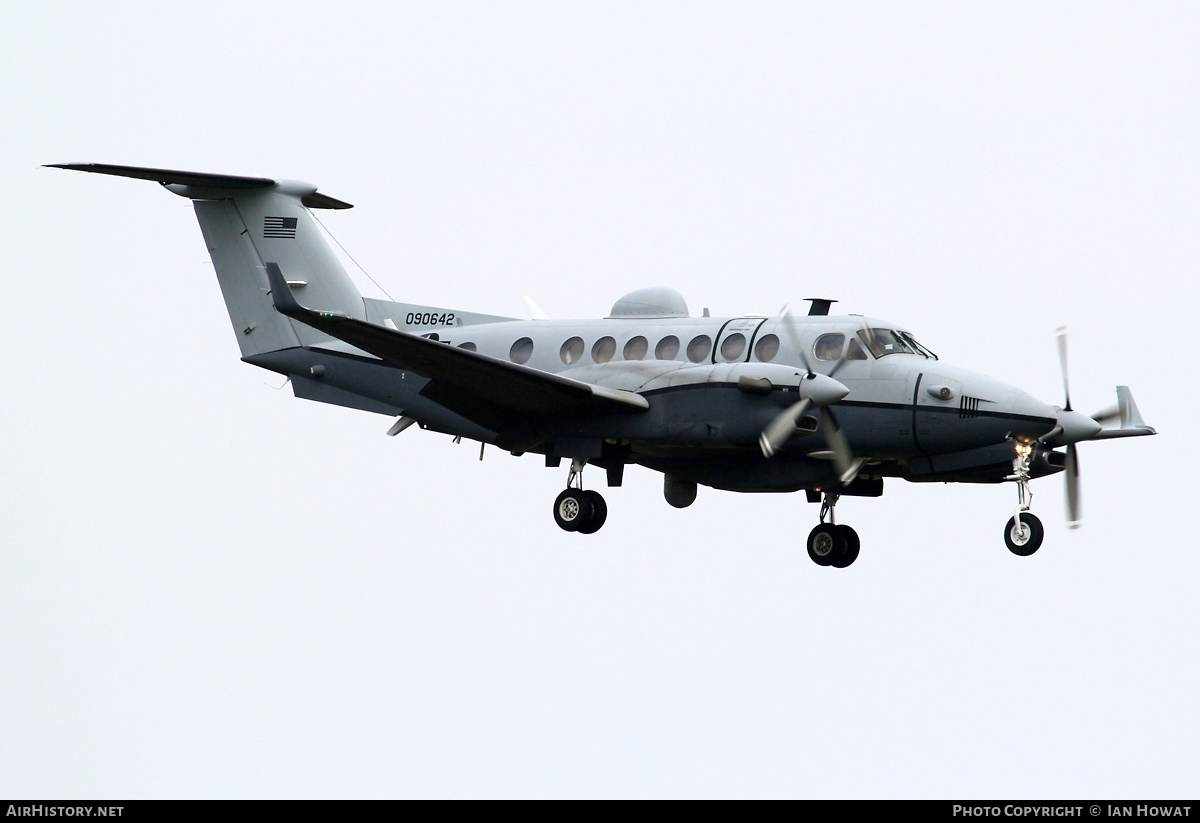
211	588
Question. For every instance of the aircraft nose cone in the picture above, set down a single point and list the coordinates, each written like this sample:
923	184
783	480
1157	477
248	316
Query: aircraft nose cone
1076	427
823	390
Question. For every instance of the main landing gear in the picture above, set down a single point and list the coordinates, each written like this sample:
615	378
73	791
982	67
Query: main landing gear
830	544
1023	533
577	509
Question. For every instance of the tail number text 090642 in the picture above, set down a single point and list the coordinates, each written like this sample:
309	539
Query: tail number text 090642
429	319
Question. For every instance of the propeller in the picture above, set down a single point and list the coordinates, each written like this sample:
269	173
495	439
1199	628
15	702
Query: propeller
848	466
1075	427
780	430
1071	473
818	391
1061	334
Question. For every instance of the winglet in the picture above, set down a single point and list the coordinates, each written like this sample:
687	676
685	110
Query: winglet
1132	424
1130	416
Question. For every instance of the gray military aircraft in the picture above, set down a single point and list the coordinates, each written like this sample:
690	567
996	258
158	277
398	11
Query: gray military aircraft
828	404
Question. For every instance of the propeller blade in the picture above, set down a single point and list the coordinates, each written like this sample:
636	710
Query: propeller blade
780	430
789	328
1062	363
1071	473
835	439
865	338
1107	415
841	361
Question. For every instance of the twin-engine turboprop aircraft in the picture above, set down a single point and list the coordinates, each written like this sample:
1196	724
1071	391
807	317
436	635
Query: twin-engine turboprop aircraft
828	404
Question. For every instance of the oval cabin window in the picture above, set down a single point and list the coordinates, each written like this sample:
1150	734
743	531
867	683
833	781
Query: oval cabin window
571	351
604	349
699	348
766	348
667	348
521	351
733	346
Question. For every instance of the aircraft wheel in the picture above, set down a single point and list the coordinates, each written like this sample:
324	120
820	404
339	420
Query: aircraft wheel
825	543
850	553
572	509
1025	539
599	513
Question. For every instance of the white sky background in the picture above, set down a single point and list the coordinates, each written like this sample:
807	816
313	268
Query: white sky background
211	588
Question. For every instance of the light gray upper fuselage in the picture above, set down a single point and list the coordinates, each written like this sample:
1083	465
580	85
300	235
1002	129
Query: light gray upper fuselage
895	405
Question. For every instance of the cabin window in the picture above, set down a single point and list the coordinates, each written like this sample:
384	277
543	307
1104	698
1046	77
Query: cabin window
468	346
699	348
829	346
733	346
667	348
604	349
571	351
766	348
636	348
521	351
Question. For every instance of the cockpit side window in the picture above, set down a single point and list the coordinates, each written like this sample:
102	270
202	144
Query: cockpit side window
829	346
855	351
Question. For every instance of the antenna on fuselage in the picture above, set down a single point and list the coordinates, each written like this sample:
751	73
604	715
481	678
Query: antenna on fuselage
820	306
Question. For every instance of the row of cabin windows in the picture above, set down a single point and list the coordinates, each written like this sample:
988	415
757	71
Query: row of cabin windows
827	347
604	349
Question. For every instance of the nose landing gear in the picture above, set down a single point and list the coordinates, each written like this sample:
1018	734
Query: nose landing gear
1023	533
577	509
830	544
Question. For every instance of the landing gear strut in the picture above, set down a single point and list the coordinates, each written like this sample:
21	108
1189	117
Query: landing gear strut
830	544
577	509
1023	533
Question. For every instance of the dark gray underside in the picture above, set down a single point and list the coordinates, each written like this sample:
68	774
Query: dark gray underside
706	433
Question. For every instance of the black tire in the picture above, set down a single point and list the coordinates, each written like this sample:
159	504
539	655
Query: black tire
1024	544
850	553
599	513
572	509
825	544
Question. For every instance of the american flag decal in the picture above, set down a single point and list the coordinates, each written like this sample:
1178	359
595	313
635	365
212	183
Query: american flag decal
279	227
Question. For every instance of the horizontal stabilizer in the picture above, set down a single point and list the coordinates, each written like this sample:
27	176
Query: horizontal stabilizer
203	180
183	178
481	388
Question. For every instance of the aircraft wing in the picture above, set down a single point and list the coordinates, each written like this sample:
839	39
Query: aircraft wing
481	388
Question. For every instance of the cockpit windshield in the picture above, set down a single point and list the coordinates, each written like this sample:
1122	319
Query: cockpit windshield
920	349
882	342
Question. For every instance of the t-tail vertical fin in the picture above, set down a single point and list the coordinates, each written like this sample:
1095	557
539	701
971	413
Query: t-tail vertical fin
246	220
